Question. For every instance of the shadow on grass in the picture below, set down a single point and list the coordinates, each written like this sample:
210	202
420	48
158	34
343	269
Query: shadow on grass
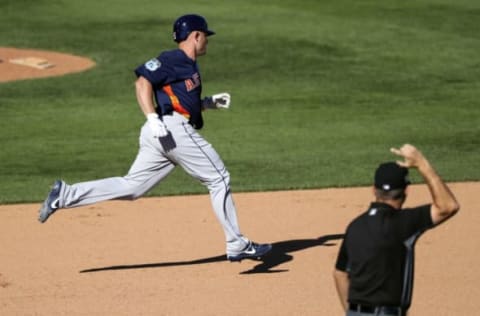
279	254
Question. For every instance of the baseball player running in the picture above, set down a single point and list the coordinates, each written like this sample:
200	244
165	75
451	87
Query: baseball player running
169	138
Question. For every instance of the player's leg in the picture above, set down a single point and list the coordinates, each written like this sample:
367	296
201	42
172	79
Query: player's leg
199	159
149	168
204	164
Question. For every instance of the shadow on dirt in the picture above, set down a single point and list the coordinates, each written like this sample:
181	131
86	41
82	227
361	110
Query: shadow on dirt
280	253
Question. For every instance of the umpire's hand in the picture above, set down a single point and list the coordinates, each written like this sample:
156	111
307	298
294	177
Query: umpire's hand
413	158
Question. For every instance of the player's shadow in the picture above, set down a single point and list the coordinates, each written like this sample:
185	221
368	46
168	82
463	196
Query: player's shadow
280	253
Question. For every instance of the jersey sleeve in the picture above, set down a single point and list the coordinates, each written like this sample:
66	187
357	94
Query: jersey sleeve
420	218
156	72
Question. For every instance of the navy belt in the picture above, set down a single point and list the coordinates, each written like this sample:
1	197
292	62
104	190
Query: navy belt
369	309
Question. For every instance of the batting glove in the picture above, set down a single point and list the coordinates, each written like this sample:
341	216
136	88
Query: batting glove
217	101
156	125
221	100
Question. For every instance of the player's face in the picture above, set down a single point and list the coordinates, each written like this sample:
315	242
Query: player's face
201	42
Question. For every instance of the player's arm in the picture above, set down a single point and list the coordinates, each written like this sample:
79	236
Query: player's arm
342	284
154	73
444	203
144	93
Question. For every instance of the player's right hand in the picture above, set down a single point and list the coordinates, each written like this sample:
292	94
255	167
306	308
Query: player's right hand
157	127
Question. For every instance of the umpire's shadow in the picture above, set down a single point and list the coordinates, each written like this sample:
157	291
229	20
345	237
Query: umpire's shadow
280	253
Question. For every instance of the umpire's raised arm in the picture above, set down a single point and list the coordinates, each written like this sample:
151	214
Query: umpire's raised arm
444	204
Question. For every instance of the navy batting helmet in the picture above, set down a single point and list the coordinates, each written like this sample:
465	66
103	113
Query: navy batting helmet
186	24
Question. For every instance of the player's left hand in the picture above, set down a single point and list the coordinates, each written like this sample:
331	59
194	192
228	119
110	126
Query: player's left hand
221	100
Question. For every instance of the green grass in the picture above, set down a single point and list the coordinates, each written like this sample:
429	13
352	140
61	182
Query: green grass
320	91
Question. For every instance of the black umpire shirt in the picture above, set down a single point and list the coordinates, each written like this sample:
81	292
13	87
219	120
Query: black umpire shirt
378	254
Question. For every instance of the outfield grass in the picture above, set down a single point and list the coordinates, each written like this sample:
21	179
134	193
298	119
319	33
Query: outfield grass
320	91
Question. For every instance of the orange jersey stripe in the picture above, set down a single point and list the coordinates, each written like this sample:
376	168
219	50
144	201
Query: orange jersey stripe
177	107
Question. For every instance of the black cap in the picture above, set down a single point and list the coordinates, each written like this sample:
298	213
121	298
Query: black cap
390	176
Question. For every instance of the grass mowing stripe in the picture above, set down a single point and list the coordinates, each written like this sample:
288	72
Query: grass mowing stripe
319	91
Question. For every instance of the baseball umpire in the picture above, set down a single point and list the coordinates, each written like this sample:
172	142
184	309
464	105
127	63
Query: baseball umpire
168	90
374	268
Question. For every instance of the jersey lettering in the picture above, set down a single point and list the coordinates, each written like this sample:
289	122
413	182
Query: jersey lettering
192	83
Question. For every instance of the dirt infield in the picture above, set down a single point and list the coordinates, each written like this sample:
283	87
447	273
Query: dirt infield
165	256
